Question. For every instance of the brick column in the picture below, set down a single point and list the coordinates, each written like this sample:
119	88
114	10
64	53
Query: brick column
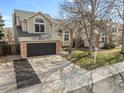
58	47
23	49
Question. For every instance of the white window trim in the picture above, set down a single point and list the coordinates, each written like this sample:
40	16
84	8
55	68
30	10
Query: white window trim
116	29
39	28
64	33
103	36
39	23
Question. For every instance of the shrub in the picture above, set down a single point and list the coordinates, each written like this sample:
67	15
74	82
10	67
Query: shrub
66	49
109	46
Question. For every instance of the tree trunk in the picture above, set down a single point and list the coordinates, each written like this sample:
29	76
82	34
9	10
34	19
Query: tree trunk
71	41
97	41
122	49
90	48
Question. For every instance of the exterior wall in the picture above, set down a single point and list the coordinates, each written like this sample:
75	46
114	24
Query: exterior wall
31	27
24	27
86	44
14	28
101	45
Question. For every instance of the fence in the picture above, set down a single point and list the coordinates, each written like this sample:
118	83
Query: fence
9	50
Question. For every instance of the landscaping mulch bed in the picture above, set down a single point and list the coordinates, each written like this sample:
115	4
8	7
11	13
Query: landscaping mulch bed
25	75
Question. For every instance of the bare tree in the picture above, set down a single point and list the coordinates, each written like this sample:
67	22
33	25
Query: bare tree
8	37
119	6
87	14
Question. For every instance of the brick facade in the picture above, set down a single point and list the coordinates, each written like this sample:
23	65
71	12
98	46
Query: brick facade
23	47
58	47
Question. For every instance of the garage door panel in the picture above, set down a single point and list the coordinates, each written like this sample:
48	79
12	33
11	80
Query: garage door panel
38	49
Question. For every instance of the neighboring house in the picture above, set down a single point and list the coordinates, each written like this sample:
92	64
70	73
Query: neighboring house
64	34
101	38
113	37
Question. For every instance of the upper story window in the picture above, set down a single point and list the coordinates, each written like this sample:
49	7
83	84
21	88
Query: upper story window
39	25
104	38
114	29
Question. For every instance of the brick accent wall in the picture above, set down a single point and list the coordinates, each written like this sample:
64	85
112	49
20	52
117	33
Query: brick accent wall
58	47
23	47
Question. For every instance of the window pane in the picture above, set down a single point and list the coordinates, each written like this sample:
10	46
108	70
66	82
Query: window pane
114	29
41	28
39	20
105	40
36	28
66	37
104	34
102	39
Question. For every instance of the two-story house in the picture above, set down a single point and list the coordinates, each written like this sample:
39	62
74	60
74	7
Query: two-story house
37	34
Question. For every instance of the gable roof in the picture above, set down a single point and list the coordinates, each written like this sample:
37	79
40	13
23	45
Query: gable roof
44	15
25	15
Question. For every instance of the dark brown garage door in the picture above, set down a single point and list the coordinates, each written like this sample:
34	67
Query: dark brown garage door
38	49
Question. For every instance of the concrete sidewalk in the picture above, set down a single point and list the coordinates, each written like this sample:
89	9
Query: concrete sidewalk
56	74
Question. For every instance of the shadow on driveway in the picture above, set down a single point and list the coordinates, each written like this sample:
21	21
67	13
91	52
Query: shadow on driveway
25	75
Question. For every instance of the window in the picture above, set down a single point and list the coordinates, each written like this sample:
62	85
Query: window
39	25
104	38
114	29
66	37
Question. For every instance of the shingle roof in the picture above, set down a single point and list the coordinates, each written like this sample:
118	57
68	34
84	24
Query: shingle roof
26	34
24	15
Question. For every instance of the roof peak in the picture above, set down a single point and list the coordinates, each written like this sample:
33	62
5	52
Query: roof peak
18	10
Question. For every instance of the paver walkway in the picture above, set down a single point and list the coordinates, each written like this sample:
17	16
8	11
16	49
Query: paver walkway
56	74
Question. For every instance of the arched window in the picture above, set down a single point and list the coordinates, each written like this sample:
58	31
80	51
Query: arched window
39	25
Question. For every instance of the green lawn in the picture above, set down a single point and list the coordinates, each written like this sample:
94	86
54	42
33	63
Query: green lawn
104	57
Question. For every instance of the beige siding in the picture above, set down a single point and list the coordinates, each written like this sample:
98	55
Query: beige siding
31	23
24	26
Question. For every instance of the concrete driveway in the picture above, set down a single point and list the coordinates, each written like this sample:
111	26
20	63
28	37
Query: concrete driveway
58	75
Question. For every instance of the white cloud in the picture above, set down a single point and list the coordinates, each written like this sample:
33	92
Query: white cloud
6	17
70	0
8	21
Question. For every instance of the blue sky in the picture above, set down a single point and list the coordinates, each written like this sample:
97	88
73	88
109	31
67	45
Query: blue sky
50	7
